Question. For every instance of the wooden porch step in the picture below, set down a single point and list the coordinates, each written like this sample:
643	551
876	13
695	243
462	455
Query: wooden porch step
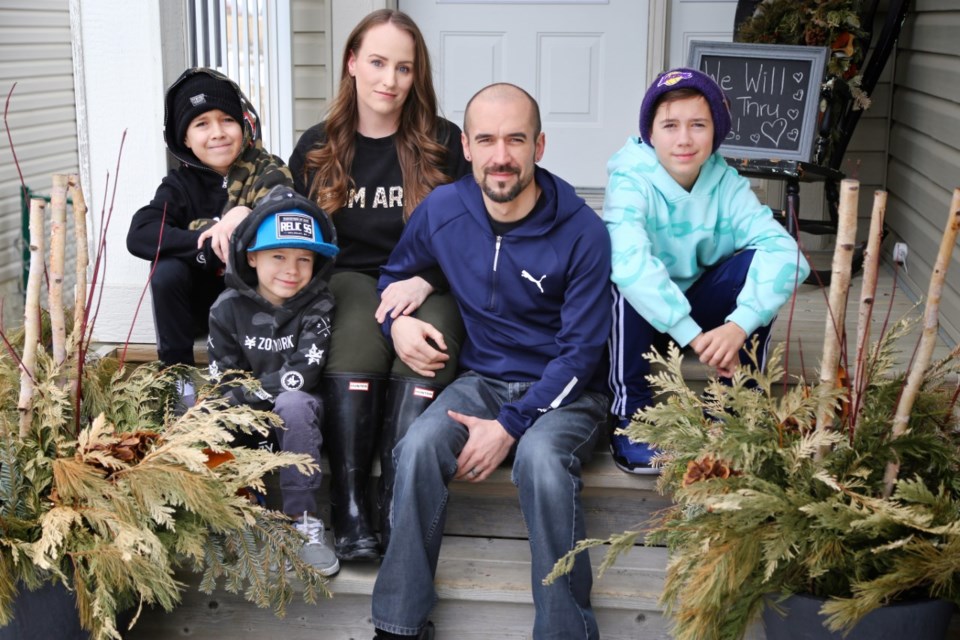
147	352
483	586
483	577
612	500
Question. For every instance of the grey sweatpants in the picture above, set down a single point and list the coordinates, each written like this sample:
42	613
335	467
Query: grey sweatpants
301	414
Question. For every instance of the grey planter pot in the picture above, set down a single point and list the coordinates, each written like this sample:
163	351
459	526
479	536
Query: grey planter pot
921	620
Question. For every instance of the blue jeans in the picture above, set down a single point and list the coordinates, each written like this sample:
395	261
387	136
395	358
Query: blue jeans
546	470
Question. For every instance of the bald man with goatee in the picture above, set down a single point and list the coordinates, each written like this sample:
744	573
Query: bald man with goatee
528	263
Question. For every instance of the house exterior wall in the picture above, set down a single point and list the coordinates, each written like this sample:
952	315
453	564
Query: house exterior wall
866	155
320	30
120	77
924	160
312	66
36	54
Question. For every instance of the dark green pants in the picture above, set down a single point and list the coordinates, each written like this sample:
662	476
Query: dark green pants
359	346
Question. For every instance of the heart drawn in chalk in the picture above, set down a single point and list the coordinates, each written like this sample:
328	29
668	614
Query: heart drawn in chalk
798	77
798	96
793	134
774	130
754	138
793	113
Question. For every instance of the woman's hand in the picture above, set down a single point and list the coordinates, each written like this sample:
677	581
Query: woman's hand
220	233
403	298
414	341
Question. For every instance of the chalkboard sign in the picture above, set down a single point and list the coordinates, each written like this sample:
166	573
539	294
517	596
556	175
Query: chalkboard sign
774	92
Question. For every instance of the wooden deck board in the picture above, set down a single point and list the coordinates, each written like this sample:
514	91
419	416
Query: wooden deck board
802	326
484	590
612	500
496	511
347	617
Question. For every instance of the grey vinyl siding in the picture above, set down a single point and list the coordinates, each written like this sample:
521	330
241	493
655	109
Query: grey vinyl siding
36	54
312	72
866	156
924	162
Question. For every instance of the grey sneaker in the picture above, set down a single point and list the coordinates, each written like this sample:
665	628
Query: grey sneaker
315	551
186	397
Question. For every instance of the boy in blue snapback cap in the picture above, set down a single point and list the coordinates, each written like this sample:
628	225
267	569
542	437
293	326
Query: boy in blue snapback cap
273	320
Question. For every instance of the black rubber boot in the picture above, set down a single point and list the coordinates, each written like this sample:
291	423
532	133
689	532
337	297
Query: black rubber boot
406	400
352	407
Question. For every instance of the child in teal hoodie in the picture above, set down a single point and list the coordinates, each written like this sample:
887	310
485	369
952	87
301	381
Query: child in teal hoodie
697	258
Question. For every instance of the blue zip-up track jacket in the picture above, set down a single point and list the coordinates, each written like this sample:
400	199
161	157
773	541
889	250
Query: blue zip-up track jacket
535	302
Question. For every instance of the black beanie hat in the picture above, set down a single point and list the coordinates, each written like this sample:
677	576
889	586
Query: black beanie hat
198	94
687	79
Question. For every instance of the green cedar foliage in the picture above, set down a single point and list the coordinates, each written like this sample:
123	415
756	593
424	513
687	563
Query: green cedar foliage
758	512
142	490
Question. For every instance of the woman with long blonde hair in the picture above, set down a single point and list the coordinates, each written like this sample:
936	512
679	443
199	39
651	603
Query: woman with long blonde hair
382	148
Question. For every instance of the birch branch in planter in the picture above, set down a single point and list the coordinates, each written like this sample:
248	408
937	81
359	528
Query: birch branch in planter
928	339
31	314
58	241
837	300
868	295
83	260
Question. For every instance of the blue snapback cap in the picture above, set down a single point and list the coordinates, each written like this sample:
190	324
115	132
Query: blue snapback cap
293	229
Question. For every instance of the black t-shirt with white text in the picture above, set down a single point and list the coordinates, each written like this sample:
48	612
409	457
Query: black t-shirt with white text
370	224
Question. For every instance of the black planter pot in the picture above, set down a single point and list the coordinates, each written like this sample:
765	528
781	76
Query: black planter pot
920	620
47	613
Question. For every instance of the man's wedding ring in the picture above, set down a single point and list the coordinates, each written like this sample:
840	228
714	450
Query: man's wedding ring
474	472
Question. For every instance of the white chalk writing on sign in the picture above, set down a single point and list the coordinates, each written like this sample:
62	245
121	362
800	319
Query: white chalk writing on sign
773	91
760	93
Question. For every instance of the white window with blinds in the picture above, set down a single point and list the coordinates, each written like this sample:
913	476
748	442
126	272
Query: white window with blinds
249	40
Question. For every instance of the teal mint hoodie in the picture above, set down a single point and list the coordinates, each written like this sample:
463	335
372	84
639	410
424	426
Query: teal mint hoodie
664	237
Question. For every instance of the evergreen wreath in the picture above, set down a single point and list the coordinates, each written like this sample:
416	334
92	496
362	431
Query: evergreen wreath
822	23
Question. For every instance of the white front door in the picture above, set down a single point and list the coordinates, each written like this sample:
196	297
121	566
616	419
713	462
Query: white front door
583	60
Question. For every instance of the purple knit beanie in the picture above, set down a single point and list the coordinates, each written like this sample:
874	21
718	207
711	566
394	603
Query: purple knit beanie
687	79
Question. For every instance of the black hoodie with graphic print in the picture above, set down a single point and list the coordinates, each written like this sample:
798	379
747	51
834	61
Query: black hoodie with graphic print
284	347
193	195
